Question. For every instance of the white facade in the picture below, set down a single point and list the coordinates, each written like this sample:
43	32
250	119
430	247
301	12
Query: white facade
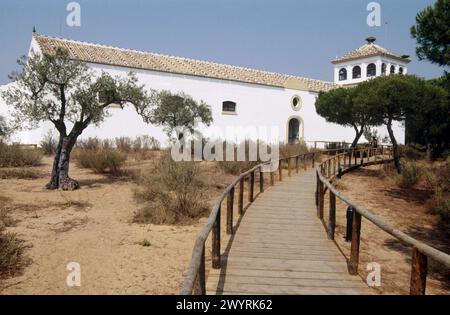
257	106
392	66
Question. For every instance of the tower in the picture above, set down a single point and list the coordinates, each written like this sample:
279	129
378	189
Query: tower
369	60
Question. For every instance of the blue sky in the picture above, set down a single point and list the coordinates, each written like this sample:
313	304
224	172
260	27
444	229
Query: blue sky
294	37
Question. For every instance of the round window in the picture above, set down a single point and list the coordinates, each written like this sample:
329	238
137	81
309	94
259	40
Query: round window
296	102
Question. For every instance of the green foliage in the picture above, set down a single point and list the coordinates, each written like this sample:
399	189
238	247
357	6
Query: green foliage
438	181
16	156
432	33
102	161
176	111
4	130
343	106
410	175
428	122
172	193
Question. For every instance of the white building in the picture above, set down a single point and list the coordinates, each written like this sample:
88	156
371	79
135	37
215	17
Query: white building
239	97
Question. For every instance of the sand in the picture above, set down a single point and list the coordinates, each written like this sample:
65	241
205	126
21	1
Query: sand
92	226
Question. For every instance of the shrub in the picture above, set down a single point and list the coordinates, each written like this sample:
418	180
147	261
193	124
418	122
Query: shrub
90	144
146	142
288	150
102	161
17	156
412	152
172	193
124	144
49	144
20	173
409	176
11	248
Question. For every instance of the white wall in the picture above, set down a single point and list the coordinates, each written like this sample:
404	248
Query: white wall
257	106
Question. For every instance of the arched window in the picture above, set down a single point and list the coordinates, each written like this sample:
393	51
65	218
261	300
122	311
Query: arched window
383	68
400	70
392	69
343	74
371	70
356	72
229	107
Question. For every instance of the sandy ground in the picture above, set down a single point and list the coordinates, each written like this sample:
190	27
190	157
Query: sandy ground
404	209
92	226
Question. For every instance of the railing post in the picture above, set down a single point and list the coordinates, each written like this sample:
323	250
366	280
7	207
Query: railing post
332	216
304	162
230	201
280	170
356	237
216	242
251	184
356	158
241	197
321	200
261	180
272	178
317	189
296	164
329	168
200	283
289	166
313	159
334	165
419	264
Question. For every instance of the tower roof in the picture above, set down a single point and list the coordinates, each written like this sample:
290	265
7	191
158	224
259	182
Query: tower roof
370	49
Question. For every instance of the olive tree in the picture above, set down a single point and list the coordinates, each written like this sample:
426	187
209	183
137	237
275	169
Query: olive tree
68	94
174	111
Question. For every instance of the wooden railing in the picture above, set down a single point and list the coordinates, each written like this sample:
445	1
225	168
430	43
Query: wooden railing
341	163
195	275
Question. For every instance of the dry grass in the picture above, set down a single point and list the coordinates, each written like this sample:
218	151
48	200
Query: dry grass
20	173
16	156
171	193
11	248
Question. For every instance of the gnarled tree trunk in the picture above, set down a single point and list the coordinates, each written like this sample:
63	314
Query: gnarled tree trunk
359	133
395	152
60	172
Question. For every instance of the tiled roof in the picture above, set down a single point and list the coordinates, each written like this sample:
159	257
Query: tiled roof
369	50
100	54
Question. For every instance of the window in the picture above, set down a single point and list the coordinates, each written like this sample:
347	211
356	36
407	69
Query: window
356	72
392	69
296	102
371	70
400	70
229	107
342	74
383	69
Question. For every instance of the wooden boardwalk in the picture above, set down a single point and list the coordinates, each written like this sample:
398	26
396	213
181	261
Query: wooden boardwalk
281	247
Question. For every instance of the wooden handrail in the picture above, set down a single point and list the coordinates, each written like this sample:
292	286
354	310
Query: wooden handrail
194	279
421	251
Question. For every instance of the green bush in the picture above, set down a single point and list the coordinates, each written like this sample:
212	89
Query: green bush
172	193
17	156
409	176
102	161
